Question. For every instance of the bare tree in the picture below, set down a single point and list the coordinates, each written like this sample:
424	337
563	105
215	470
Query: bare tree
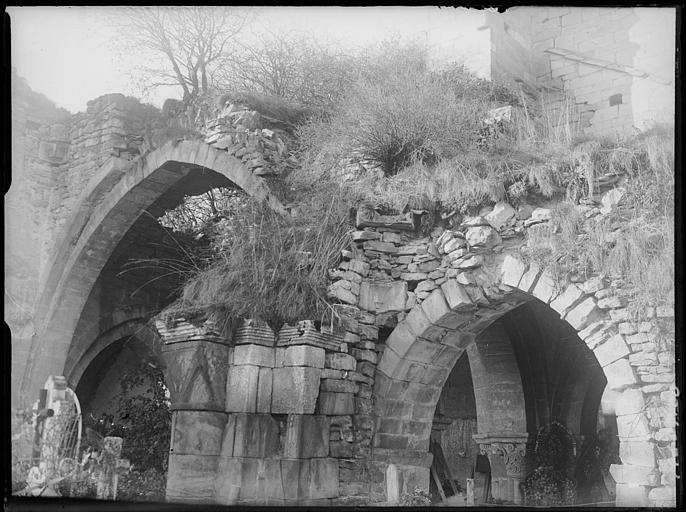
293	66
186	45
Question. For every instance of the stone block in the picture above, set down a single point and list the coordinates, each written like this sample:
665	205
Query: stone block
304	355
241	388
338	386
546	288
335	404
256	435
630	495
270	485
424	287
583	314
295	475
416	321
456	295
611	350
343	295
640	453
619	374
264	390
358	266
197	432
227	483
323	478
619	315
662	497
633	427
482	236
306	436
563	302
454	244
401	339
593	285
295	389
435	306
376	245
631	474
629	401
190	478
383	297
340	449
256	355
361	236
502	215
512	270
423	351
339	361
529	278
364	355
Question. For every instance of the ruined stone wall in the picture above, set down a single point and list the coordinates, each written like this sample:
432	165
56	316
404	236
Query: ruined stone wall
28	205
54	156
409	307
260	418
617	63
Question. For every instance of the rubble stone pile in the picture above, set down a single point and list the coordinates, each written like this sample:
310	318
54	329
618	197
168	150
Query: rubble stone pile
246	135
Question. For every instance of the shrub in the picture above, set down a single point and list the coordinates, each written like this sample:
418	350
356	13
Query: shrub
143	419
270	267
399	112
147	485
417	498
548	484
405	119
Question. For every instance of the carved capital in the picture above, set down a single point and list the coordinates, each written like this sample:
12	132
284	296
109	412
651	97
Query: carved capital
512	447
197	359
514	455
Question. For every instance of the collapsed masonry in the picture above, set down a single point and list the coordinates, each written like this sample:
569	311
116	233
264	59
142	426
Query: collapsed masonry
311	417
412	308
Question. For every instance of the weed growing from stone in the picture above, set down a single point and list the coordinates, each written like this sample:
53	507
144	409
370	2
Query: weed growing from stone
270	267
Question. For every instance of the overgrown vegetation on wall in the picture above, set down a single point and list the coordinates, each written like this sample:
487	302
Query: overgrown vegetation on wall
633	244
402	136
268	266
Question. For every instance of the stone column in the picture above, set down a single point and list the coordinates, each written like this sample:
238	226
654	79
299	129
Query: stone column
197	358
506	451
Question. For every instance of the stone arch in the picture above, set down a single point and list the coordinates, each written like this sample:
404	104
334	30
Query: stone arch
426	344
139	327
111	203
97	374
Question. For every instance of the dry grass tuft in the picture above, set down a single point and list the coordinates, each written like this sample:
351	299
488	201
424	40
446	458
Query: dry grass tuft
269	267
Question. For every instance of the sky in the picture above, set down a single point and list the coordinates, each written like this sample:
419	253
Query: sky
70	54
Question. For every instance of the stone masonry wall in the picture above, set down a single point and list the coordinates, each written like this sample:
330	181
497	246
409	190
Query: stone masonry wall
618	72
391	273
54	156
365	398
268	419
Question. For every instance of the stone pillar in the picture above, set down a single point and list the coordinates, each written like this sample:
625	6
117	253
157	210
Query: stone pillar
507	453
197	358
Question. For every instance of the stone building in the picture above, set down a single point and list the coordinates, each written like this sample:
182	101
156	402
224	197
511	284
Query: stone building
616	66
448	339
